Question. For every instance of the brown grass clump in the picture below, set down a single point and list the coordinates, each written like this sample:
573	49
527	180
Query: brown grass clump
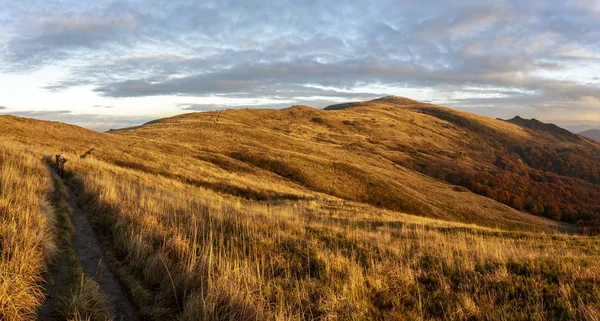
26	238
84	301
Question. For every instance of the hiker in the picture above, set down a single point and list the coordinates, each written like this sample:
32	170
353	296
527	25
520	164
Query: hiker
60	163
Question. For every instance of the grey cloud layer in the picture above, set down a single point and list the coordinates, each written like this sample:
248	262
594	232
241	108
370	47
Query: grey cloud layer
305	49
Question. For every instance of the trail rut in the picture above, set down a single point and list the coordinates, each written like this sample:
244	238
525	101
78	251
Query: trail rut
91	255
56	285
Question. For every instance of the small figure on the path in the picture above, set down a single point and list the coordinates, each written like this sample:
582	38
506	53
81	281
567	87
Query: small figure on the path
60	163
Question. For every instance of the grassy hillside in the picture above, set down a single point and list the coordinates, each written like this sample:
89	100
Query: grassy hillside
35	238
26	239
292	154
391	153
191	253
529	165
300	214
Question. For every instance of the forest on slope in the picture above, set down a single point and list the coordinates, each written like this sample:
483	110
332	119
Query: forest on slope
535	167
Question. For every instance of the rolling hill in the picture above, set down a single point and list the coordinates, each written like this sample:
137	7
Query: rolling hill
392	153
384	209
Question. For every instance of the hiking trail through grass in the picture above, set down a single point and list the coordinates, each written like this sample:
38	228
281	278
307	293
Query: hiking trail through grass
91	256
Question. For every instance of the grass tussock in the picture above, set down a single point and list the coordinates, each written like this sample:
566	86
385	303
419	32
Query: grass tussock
191	254
27	240
85	301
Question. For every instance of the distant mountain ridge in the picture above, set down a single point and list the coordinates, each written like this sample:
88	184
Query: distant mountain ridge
591	133
547	127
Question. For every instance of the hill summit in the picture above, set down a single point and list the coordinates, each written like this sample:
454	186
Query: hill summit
391	99
553	129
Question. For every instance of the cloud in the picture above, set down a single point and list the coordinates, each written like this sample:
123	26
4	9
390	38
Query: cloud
316	102
64	35
202	107
300	79
41	113
2	107
518	56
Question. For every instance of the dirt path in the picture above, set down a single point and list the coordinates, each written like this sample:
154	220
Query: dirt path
56	285
91	255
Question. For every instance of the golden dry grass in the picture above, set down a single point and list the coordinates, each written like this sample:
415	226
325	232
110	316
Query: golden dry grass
82	298
303	214
353	154
84	301
34	228
189	253
26	239
303	153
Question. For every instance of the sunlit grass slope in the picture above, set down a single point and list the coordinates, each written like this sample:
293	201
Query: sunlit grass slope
35	235
301	214
26	238
370	154
189	253
388	152
300	151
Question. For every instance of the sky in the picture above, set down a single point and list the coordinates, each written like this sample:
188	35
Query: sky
111	64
